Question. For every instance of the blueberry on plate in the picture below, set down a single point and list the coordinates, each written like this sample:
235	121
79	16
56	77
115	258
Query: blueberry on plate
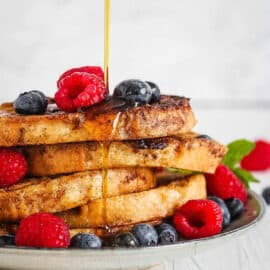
85	241
155	92
166	234
225	211
235	206
266	195
146	234
33	102
135	92
7	240
126	239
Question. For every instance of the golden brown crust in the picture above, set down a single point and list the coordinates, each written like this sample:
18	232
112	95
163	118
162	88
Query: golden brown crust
186	152
171	116
138	207
66	192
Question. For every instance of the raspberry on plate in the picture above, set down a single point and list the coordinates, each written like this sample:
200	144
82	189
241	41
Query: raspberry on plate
87	69
79	90
259	158
225	184
198	218
43	230
13	167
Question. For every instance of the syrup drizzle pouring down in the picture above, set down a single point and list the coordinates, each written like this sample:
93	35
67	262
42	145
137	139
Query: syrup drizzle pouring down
107	6
105	145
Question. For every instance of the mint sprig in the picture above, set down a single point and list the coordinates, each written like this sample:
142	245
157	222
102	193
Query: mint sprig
236	151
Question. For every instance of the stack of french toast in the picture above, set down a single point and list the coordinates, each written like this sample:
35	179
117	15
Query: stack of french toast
100	168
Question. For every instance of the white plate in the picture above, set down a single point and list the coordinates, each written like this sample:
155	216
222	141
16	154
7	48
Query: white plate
139	258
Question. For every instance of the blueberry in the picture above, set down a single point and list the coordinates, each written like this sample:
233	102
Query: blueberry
166	234
7	240
125	240
155	92
235	207
146	234
266	195
85	241
204	136
136	92
33	102
225	211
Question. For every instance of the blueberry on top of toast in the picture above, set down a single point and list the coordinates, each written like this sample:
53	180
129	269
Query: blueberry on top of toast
135	92
33	102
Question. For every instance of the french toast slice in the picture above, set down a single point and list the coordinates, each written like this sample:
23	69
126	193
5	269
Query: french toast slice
139	207
108	120
189	152
66	192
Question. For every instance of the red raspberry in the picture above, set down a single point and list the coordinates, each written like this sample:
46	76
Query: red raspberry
79	90
198	218
259	158
13	167
87	69
43	230
225	184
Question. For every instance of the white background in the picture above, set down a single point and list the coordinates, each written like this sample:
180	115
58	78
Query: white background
203	49
215	51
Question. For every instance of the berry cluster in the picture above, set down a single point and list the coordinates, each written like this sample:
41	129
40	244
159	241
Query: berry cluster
47	230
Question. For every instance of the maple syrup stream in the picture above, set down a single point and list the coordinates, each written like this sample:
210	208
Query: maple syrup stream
105	145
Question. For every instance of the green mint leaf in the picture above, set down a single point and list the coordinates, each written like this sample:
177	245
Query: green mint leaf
245	176
236	151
